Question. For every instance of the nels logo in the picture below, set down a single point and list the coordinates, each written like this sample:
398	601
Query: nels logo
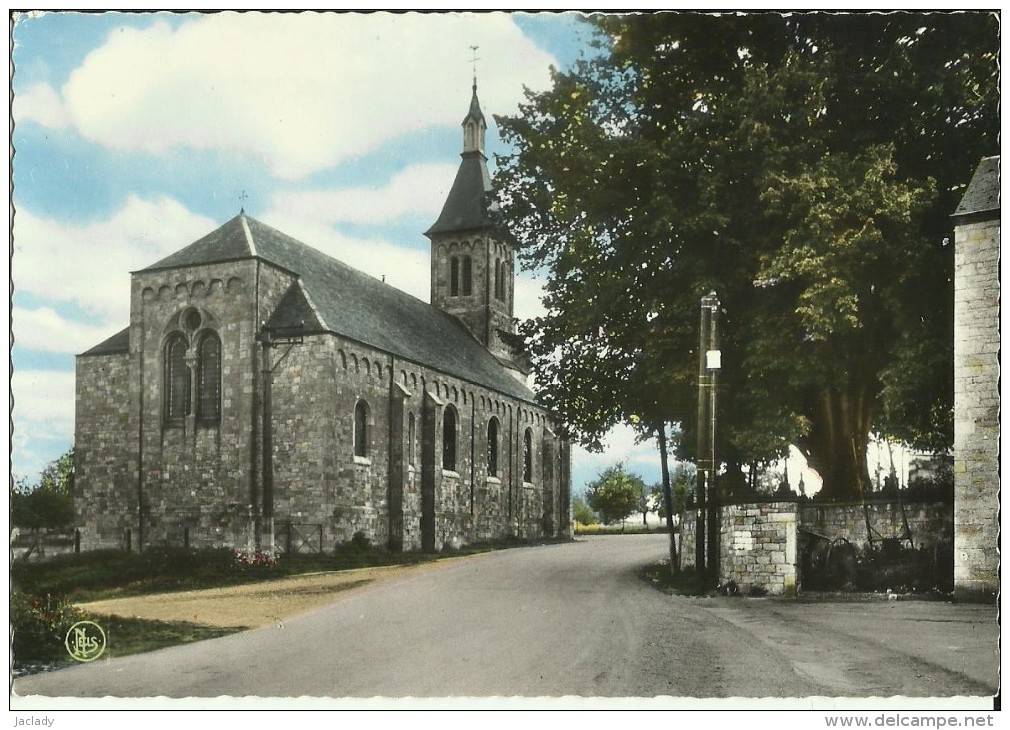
85	641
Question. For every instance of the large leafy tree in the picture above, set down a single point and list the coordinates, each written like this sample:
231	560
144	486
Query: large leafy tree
803	166
614	493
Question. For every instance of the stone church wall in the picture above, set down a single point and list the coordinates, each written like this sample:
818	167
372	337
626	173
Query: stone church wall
200	481
320	482
105	457
306	450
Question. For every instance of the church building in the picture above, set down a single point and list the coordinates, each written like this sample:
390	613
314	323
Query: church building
266	394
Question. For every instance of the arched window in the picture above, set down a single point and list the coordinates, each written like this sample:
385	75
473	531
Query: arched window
504	281
361	429
410	439
208	403
177	379
467	276
492	447
497	279
449	440
454	277
528	456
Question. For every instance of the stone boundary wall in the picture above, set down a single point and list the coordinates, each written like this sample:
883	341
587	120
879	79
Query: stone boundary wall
761	543
928	522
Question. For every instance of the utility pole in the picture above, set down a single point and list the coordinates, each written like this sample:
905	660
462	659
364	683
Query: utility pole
706	546
269	338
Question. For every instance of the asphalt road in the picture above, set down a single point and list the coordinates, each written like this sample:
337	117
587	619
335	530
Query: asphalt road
571	619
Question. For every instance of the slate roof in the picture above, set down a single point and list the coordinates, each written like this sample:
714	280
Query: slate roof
982	195
118	343
466	206
331	296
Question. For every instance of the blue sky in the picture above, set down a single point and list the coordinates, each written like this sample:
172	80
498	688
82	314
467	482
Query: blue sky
135	134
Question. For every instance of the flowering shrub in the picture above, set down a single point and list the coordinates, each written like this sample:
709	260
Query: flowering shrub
256	559
40	625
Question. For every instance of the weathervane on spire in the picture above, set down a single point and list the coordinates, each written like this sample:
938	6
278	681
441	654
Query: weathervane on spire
474	60
242	198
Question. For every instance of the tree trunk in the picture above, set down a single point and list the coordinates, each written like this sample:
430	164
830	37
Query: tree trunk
837	442
668	498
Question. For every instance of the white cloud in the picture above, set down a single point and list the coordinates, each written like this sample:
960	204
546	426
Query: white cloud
88	265
620	445
44	397
418	189
40	103
302	91
44	329
43	414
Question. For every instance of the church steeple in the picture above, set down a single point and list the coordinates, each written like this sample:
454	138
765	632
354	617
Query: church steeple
472	264
474	126
466	207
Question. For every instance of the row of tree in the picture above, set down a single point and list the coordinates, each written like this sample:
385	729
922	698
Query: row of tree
804	166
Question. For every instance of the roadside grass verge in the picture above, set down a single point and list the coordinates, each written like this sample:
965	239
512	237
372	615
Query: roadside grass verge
637	529
684	583
134	635
105	574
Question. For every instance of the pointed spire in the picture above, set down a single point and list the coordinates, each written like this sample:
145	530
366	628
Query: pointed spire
465	207
474	125
475	112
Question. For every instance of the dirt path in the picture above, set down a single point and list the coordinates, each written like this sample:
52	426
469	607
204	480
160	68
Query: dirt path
251	605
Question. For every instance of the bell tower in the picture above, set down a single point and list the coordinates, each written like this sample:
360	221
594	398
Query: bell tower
472	264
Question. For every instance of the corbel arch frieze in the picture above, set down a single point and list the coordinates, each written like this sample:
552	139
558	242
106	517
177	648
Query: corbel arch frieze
191	288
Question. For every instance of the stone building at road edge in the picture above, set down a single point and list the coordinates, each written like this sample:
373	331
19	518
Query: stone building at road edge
976	384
